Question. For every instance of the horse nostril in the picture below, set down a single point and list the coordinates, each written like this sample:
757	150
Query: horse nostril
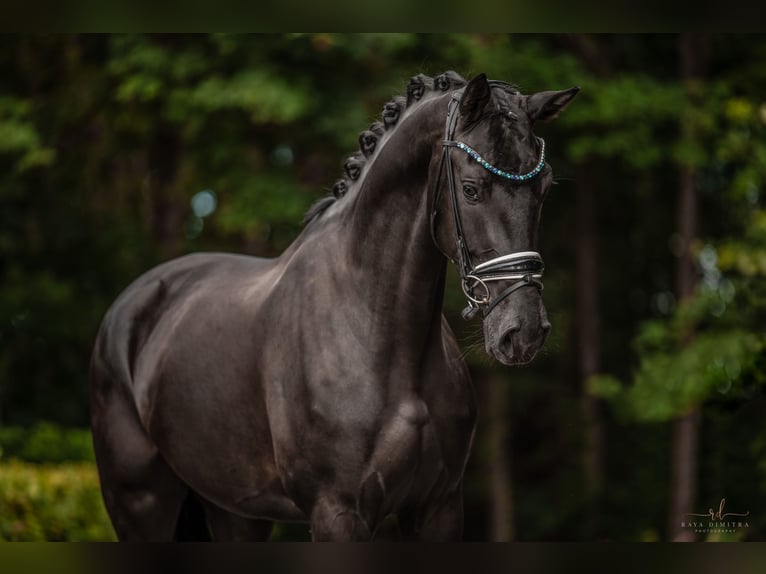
506	341
546	326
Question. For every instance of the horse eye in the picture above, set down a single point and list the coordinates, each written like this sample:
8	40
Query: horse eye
470	192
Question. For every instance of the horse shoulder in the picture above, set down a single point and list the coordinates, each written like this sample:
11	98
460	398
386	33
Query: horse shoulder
159	312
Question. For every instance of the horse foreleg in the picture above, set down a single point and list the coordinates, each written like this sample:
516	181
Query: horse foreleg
439	521
226	526
333	521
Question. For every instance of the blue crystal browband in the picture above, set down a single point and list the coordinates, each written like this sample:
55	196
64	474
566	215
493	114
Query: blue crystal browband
488	166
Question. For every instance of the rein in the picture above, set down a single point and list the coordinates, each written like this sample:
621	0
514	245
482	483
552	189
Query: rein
525	268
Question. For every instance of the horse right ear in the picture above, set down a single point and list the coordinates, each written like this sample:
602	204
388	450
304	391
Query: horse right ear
475	98
546	106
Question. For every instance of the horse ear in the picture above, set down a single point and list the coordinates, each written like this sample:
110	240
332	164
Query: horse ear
546	106
475	97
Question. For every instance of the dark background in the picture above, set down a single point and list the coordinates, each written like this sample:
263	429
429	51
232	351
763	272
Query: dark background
647	402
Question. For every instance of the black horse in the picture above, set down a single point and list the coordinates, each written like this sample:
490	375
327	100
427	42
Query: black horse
325	386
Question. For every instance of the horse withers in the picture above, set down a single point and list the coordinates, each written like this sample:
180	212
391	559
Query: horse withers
325	385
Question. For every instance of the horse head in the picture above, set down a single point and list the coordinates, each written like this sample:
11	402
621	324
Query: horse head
489	183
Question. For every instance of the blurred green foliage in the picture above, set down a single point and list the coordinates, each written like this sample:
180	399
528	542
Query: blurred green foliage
46	443
105	139
51	503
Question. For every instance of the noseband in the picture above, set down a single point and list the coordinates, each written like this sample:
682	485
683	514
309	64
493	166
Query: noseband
524	268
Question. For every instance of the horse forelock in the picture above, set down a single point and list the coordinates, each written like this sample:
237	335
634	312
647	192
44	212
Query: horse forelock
419	89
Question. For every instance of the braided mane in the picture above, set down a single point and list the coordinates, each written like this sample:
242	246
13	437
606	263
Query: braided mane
418	89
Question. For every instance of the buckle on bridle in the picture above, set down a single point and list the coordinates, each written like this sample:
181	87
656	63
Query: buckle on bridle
470	312
468	290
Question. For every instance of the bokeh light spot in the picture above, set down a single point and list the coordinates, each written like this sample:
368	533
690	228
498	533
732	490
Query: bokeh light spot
282	155
204	202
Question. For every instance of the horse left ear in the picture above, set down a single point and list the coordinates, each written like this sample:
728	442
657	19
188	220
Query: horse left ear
546	106
475	98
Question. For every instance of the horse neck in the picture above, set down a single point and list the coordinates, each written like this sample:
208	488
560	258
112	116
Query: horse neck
397	268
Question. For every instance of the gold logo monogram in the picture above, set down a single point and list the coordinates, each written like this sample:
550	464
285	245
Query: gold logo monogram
719	515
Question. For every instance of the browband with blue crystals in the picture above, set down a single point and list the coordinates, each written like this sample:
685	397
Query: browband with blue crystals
497	171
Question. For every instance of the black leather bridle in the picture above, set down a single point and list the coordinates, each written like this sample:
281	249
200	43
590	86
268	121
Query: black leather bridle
524	268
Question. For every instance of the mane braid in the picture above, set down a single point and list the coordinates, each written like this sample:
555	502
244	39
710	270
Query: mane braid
418	88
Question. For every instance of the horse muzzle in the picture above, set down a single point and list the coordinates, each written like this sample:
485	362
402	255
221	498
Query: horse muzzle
515	336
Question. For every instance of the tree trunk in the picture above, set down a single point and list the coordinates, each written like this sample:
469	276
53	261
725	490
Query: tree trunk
498	463
683	482
588	327
588	314
168	210
693	50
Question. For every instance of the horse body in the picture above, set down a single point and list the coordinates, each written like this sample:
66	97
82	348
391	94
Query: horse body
323	385
339	413
266	428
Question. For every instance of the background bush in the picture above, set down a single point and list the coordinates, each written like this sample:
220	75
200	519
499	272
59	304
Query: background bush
59	502
49	488
46	442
